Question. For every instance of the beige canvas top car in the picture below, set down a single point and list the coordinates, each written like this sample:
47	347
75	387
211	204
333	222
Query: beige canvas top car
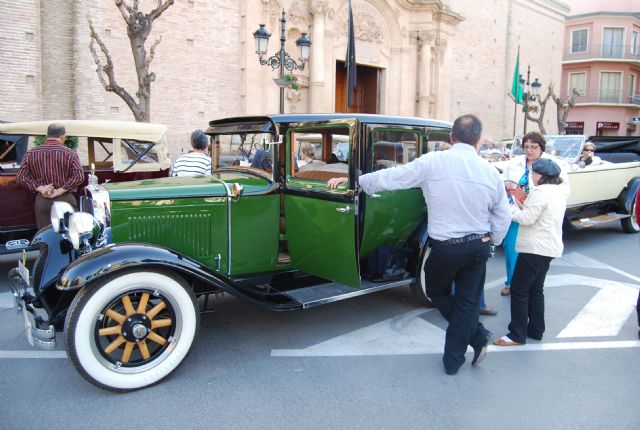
114	142
119	151
599	193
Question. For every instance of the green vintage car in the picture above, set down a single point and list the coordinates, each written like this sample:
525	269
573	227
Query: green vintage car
127	276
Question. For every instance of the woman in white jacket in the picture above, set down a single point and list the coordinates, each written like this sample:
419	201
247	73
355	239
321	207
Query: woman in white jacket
539	241
518	171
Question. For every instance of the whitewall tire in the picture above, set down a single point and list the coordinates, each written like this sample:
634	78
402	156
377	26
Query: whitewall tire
131	329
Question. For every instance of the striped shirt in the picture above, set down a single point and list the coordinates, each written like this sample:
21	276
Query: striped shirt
192	164
50	163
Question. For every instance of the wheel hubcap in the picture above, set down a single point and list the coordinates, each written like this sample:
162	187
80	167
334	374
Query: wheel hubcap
135	328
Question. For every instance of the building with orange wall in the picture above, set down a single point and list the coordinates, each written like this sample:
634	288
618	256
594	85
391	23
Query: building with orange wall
601	62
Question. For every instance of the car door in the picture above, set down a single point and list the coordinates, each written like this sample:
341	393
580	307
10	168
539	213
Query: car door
320	223
391	216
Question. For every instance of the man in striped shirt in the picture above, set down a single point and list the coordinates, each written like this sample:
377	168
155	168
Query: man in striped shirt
196	162
53	172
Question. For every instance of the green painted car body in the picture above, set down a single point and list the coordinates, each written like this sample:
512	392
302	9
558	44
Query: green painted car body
323	232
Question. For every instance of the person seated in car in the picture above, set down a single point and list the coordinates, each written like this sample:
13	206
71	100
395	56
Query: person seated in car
588	157
308	159
262	160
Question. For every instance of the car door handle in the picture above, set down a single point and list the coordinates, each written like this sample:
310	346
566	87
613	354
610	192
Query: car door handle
344	210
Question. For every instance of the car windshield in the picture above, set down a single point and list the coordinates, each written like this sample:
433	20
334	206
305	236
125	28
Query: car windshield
566	147
250	150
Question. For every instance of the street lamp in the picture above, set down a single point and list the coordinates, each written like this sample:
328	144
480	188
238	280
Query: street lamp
531	93
281	59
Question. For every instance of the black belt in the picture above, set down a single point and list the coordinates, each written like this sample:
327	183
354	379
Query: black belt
457	240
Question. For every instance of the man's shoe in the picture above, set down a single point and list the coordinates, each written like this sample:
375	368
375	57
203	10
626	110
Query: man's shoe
480	352
488	311
451	371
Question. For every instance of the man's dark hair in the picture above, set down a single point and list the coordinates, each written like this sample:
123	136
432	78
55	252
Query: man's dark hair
56	130
466	129
199	140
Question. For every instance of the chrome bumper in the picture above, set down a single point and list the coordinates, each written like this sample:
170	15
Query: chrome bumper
23	294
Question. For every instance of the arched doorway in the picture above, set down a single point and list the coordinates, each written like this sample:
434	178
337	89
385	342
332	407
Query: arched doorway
366	93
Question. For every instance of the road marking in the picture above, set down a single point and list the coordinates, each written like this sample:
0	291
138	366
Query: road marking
580	260
567	346
606	312
33	354
408	334
404	334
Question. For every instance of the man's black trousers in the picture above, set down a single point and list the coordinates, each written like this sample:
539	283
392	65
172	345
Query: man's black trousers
466	265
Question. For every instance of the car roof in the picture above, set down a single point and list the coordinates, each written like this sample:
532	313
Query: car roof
91	128
366	118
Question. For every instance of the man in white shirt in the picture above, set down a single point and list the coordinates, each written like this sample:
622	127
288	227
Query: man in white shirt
468	210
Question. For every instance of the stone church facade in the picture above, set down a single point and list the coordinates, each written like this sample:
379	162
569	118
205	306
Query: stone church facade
427	58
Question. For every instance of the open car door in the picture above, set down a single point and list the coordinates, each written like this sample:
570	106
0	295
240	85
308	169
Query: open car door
320	223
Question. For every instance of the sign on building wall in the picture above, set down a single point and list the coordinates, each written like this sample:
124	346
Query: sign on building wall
604	125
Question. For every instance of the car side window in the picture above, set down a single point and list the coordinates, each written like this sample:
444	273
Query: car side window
438	140
393	147
319	154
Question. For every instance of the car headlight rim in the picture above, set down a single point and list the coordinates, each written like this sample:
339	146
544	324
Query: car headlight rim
58	211
82	227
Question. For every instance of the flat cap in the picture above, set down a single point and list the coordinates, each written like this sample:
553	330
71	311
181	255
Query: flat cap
546	167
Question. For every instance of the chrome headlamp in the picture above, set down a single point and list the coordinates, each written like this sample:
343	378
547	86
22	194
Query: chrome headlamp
60	213
83	227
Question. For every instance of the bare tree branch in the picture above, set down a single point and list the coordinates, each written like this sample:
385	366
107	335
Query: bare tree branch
125	10
161	8
108	70
152	52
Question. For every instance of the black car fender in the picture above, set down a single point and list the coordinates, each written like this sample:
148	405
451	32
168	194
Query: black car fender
55	254
629	193
116	258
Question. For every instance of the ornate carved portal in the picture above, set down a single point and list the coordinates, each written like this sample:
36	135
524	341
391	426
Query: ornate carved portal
397	72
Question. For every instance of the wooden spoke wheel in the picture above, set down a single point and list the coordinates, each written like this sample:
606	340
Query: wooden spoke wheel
130	330
135	328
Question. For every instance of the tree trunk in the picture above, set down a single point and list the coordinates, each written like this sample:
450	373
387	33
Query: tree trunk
139	27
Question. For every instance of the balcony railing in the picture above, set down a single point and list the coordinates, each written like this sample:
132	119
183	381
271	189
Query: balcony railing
608	96
616	52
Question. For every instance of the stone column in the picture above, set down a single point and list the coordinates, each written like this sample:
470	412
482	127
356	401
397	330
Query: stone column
317	92
424	74
445	72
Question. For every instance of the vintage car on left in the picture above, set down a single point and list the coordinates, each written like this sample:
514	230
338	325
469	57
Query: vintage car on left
126	278
117	150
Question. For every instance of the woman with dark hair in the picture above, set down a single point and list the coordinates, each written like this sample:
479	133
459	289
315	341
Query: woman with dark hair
539	241
518	171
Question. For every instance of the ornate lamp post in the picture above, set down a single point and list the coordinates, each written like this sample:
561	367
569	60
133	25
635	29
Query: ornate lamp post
531	93
281	59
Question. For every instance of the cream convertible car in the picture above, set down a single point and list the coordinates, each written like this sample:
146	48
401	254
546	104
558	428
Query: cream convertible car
599	193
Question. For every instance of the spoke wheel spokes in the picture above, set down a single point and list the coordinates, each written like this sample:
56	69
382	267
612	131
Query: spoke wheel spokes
114	334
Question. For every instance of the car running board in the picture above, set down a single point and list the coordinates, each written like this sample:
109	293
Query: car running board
322	294
590	222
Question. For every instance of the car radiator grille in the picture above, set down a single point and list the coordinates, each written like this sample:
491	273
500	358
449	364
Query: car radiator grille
186	233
